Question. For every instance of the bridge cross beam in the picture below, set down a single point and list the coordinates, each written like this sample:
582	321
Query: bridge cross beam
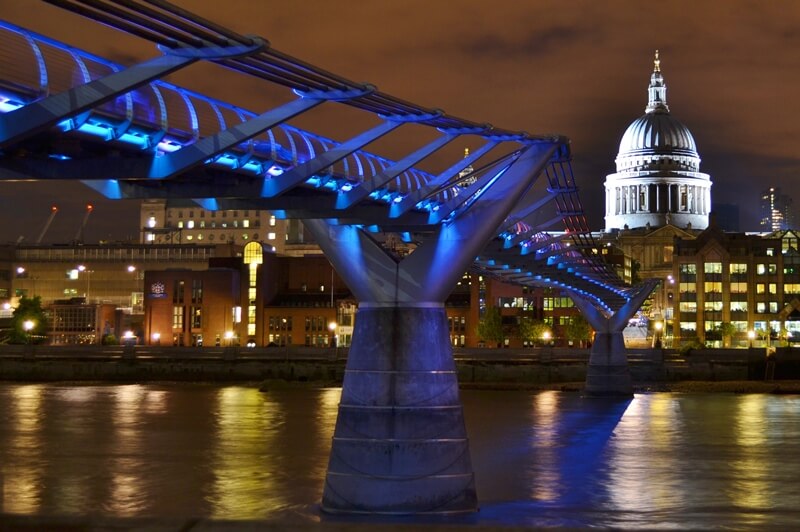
47	112
400	446
608	372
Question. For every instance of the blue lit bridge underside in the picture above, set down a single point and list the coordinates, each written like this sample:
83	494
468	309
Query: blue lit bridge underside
399	444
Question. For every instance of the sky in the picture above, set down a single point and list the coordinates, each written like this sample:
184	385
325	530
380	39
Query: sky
576	68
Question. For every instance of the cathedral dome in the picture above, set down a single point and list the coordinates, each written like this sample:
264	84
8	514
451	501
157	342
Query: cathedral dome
657	140
658	180
657	133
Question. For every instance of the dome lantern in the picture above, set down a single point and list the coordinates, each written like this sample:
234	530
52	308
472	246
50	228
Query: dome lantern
657	91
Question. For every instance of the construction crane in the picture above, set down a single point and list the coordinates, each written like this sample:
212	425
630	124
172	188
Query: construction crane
79	234
53	211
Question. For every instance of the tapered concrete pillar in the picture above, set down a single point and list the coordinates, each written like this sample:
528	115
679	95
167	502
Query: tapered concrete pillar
400	445
608	372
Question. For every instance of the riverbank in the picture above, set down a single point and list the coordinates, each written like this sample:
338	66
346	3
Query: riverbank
733	371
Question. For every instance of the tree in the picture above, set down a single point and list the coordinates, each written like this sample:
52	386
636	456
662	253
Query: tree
534	330
727	330
578	330
29	322
490	327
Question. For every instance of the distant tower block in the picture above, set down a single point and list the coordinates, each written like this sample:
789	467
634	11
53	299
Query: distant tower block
658	179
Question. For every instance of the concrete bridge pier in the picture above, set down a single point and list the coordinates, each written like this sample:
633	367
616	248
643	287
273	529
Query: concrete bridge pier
608	373
400	445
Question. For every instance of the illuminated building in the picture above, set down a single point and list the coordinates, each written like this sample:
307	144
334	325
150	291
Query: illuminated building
163	223
751	281
658	180
776	210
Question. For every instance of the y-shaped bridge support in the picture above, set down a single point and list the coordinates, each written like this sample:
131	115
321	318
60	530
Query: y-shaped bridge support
608	372
400	445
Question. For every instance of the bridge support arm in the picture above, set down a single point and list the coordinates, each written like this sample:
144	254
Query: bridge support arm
608	372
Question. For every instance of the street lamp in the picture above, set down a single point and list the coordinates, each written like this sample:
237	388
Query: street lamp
659	326
128	338
156	337
28	326
546	337
332	328
229	337
81	268
751	335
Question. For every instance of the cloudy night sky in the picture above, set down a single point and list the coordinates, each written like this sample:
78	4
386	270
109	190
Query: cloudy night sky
577	68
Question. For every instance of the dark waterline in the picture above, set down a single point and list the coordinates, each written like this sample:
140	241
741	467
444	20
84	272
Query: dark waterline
540	458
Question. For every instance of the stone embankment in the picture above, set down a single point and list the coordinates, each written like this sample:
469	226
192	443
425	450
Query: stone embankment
544	368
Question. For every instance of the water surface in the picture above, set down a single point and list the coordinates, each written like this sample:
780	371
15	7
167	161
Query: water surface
541	458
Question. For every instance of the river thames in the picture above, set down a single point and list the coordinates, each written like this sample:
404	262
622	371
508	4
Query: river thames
660	460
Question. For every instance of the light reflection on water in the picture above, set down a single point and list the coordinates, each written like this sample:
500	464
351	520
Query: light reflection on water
541	459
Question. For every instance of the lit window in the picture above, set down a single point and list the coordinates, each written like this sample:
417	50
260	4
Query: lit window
245	223
200	236
738	267
270	236
188	237
151	237
272	221
180	224
151	222
190	224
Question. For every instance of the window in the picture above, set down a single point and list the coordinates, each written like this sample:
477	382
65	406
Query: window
688	306
197	291
689	269
197	318
772	269
773	307
668	251
687	288
712	267
712	306
761	269
177	291
272	221
738	288
761	288
713	287
270	236
761	307
177	317
791	288
773	288
738	267
738	306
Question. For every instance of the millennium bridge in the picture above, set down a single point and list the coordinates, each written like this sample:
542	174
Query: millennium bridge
509	209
